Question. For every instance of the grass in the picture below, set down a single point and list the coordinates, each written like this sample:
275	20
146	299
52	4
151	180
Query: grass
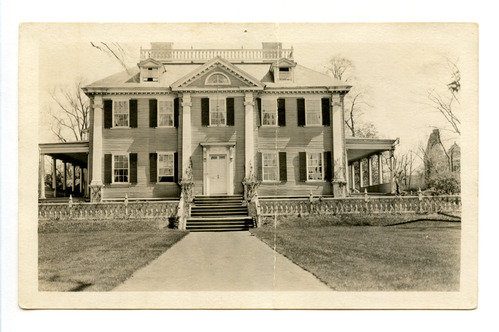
97	258
418	256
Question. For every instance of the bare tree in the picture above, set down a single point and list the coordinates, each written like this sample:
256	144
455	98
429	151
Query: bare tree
444	101
71	116
339	66
114	50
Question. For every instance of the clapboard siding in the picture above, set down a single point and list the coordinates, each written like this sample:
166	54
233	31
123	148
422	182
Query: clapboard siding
294	139
217	134
141	140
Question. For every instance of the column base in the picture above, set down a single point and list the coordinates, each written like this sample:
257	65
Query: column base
339	188
96	193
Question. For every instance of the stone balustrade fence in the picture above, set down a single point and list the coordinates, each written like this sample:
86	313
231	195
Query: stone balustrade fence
359	205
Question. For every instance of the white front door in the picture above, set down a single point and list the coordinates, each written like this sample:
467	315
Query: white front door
217	174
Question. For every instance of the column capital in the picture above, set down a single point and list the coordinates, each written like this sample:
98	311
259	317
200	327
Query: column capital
98	101
249	102
187	103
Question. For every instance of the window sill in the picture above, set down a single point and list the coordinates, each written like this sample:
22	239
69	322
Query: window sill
272	182
120	184
166	127
315	181
218	126
314	125
165	183
120	128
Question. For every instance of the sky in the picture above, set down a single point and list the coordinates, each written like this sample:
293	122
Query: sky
395	63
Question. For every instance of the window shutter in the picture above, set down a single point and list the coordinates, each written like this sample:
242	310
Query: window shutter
303	166
283	168
205	111
108	113
328	167
133	168
259	168
259	111
326	110
176	111
133	113
300	105
108	168
281	112
153	167
175	167
230	111
153	113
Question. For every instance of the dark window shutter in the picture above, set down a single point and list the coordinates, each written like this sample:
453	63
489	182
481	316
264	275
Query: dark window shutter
176	111
205	111
283	168
328	175
133	168
133	113
326	119
108	168
303	166
259	168
153	167
300	105
281	112
230	111
175	167
153	113
108	113
259	111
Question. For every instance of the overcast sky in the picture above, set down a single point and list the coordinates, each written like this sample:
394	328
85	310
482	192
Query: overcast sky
396	64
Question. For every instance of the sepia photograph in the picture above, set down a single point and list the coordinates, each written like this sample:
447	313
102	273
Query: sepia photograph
248	166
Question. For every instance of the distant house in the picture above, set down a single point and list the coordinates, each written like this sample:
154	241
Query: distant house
226	116
439	161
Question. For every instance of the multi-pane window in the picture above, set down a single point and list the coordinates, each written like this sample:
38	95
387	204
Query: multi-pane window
217	79
121	113
270	166
120	168
313	112
314	166
165	113
269	112
217	112
166	165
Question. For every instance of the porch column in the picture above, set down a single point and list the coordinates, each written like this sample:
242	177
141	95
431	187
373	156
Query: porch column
361	174
380	169
42	176
64	177
96	185
73	178
249	148
370	170
54	176
186	132
392	173
86	176
353	176
81	179
340	162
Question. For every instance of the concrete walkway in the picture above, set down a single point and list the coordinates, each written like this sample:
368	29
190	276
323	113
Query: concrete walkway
224	261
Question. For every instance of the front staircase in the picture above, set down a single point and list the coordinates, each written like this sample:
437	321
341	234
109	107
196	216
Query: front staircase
219	213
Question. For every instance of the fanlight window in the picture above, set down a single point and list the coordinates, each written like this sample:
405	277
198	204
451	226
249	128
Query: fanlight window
217	79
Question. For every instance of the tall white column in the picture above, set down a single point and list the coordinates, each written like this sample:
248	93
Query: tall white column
361	174
81	179
353	176
380	169
73	178
54	176
42	176
186	131
249	142
96	184
392	171
340	162
64	177
370	170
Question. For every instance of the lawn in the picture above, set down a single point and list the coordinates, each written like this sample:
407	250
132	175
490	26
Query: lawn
97	260
419	256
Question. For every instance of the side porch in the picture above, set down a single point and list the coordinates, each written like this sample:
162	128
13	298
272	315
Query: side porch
369	169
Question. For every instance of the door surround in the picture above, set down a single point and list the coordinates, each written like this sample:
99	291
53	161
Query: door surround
227	148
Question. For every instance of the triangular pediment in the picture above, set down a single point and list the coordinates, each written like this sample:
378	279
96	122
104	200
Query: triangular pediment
217	74
149	63
284	63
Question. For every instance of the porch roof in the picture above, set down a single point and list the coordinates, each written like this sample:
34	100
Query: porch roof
358	148
73	152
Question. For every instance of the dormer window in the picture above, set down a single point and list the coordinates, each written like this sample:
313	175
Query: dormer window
283	70
217	79
284	74
150	74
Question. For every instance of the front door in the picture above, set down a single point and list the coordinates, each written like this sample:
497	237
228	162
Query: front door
217	174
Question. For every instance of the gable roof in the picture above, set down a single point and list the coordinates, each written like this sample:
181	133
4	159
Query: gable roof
217	62
149	62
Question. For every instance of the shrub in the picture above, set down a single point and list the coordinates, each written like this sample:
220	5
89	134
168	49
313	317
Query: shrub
444	184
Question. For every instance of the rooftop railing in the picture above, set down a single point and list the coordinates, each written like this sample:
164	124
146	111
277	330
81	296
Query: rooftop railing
204	55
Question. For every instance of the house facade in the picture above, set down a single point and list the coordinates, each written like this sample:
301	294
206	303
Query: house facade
220	119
